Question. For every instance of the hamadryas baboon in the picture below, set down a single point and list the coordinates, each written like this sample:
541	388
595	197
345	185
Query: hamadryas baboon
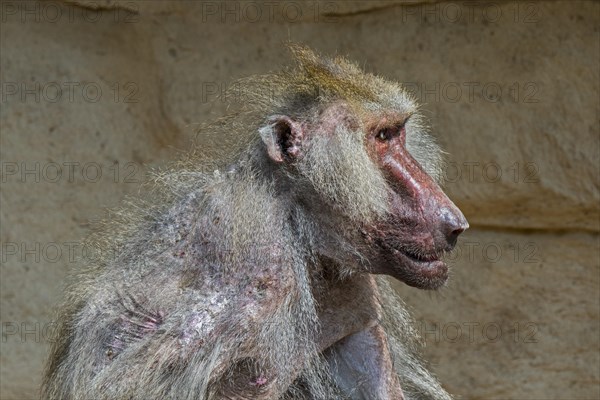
263	279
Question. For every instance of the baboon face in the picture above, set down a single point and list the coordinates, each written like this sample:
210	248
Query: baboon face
359	163
422	223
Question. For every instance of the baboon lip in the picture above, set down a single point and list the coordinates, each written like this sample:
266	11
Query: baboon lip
419	258
431	269
419	261
422	267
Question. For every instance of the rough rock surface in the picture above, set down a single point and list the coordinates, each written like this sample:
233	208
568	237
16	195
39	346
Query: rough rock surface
107	87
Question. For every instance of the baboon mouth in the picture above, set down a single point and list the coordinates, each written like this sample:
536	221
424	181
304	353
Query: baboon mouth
419	268
416	260
412	253
418	257
420	262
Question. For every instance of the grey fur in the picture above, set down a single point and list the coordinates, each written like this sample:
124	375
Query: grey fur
209	287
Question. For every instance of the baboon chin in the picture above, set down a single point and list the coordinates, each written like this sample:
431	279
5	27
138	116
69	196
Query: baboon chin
263	279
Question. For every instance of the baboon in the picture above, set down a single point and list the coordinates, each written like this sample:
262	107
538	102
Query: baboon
263	279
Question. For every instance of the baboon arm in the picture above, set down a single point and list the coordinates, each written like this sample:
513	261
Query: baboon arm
361	366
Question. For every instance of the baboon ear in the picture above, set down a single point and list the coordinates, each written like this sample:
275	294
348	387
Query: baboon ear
283	138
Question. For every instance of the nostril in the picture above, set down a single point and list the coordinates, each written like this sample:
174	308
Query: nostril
452	237
454	223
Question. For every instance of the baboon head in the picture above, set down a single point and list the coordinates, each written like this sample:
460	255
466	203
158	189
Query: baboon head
355	154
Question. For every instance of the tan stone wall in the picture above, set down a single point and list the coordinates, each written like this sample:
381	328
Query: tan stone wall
512	91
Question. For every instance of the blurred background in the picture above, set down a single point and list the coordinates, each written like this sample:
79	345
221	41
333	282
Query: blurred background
94	93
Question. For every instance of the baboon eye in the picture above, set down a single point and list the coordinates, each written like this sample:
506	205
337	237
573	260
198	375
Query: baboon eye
388	133
383	135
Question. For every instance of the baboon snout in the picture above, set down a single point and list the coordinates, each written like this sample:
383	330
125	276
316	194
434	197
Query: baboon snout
430	208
